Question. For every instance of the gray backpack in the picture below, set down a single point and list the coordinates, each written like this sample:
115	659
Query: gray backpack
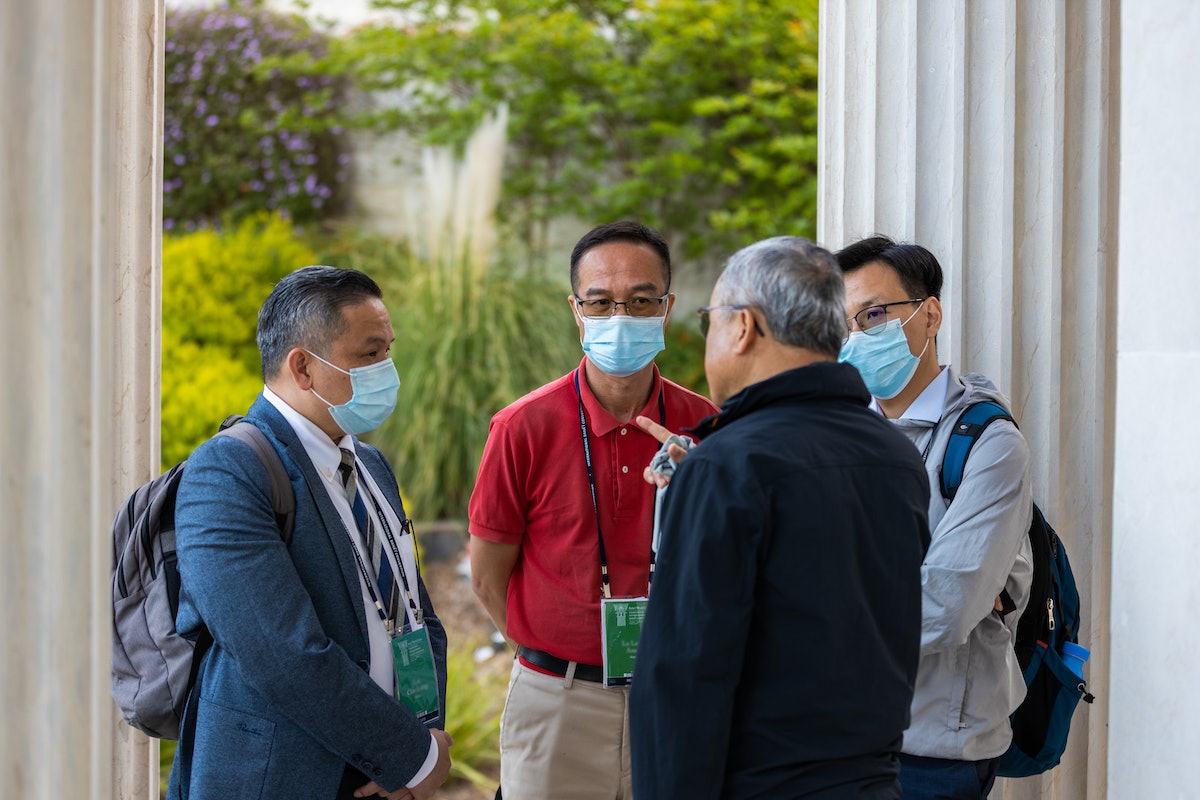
153	665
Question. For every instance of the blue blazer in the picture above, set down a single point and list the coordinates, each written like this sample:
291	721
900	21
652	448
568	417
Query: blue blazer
283	699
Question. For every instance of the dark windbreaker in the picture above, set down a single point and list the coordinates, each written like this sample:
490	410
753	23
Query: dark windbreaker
781	642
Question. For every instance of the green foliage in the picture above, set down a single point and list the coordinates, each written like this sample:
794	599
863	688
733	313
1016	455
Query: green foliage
469	341
473	331
213	285
243	133
695	116
166	757
683	359
350	247
474	701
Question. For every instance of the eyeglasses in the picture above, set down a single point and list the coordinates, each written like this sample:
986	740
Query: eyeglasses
871	320
634	306
702	312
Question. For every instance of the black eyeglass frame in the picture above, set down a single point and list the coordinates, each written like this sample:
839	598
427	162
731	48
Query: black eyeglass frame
702	313
877	327
583	304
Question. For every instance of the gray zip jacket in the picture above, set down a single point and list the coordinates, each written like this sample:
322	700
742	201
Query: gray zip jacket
968	681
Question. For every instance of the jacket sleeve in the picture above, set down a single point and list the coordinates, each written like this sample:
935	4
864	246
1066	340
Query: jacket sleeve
690	655
238	576
975	546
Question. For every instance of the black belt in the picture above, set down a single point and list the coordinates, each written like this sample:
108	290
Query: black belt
557	666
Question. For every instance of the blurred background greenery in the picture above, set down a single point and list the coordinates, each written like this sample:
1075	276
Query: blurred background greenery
697	117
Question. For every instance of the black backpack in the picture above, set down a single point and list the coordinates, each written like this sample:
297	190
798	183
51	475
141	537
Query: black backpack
1041	723
153	666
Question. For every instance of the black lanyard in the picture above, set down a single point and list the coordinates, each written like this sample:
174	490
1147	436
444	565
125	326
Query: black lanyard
386	616
587	455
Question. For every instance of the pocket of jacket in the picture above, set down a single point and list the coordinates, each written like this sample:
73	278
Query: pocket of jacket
959	660
232	752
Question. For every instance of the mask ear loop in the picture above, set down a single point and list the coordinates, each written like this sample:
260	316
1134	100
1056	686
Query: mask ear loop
910	316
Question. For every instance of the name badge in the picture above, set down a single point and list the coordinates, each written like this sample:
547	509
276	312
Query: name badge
416	675
620	629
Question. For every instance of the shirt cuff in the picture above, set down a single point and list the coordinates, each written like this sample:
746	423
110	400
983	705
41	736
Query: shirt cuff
427	767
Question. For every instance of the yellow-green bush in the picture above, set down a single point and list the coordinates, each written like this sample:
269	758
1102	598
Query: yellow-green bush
213	285
474	701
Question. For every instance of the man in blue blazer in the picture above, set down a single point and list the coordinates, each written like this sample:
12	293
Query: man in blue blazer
298	695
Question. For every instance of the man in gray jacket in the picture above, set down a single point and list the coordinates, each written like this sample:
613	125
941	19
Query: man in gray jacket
976	575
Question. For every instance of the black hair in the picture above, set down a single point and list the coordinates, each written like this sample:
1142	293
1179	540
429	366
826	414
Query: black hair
919	271
623	231
305	310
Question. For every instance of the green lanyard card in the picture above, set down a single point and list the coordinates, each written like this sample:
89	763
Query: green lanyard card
620	629
416	675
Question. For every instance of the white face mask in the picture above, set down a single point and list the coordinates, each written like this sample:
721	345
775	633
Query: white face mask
622	345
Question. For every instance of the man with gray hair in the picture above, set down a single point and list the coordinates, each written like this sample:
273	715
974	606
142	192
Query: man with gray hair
780	645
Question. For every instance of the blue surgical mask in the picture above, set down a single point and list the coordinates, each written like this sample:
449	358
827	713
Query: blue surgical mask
622	345
883	359
373	400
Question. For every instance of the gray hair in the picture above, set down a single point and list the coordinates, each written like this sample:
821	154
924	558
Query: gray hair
796	285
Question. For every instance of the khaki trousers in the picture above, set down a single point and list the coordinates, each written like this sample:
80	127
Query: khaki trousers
564	739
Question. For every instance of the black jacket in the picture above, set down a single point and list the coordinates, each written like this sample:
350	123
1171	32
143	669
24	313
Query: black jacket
780	646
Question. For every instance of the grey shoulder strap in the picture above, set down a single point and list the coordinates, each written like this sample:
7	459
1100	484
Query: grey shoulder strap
283	499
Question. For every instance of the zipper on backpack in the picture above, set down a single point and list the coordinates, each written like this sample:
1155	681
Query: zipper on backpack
1050	613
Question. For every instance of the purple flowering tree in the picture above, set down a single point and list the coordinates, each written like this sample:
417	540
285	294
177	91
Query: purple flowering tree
244	129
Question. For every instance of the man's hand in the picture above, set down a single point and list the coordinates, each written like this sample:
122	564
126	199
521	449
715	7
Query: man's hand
425	788
674	451
441	770
373	789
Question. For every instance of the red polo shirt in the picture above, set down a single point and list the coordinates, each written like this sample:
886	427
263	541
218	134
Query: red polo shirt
533	491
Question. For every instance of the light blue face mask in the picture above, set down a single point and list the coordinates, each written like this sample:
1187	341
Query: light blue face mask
883	359
622	345
373	400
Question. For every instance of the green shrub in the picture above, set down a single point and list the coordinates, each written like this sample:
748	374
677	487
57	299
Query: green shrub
242	132
474	701
683	359
474	332
213	285
467	344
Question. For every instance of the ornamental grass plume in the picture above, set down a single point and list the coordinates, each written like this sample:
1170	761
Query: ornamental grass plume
474	330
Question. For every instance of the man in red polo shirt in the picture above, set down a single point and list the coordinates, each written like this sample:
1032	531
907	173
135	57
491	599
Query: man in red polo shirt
560	519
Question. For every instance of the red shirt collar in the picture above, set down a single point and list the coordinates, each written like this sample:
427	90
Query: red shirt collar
600	421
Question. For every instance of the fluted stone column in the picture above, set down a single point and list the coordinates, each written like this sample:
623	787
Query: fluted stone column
987	131
80	133
1155	718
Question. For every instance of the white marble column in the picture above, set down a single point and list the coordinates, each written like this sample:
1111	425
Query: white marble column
80	133
987	131
1155	637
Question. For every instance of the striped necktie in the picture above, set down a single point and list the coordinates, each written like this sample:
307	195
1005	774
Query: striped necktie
380	564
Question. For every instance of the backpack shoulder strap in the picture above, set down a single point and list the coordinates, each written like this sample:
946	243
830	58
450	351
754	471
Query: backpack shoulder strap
283	499
967	430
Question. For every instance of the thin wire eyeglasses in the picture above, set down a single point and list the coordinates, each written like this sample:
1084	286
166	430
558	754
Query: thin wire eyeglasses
634	306
702	313
871	320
